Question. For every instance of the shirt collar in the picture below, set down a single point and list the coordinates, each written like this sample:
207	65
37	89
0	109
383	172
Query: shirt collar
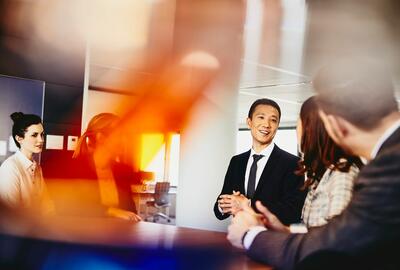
26	163
384	137
265	152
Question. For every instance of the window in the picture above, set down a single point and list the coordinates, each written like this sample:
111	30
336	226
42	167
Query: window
160	155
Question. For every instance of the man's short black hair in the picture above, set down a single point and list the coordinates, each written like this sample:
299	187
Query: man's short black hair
264	101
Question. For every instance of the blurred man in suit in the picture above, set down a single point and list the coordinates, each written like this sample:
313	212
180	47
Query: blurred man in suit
264	173
360	113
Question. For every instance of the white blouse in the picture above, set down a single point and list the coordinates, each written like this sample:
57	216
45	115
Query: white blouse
22	184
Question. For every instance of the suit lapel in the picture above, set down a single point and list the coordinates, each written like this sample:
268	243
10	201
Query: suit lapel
242	170
269	168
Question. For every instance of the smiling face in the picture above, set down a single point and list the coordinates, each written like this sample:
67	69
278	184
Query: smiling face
32	142
263	125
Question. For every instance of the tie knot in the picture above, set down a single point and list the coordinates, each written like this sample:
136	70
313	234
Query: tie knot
257	157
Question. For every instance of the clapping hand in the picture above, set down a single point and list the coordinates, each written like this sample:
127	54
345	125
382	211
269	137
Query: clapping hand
241	223
247	218
269	220
232	203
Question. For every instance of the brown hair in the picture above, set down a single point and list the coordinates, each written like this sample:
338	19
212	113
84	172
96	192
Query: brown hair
101	123
319	150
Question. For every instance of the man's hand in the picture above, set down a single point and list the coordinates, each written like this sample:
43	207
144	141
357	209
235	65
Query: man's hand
225	203
241	223
270	220
248	218
239	201
232	203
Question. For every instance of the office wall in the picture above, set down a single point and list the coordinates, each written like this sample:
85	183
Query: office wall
206	148
48	52
103	102
17	95
63	93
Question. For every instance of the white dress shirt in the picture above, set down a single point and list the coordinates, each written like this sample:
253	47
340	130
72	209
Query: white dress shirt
266	152
22	184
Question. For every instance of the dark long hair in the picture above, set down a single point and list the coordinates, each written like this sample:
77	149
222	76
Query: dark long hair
320	152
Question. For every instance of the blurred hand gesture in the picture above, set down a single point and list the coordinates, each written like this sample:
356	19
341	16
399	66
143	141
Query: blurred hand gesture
123	214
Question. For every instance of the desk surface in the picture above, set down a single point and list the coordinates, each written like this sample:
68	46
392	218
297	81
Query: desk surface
127	245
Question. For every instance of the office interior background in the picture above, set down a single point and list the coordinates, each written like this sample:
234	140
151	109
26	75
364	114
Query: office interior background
181	74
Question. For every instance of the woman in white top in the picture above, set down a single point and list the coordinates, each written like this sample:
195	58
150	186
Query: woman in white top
21	180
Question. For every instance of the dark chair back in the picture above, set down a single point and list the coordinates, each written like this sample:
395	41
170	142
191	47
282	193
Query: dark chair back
161	193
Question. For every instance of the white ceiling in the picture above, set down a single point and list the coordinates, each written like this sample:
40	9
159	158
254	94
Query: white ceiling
275	33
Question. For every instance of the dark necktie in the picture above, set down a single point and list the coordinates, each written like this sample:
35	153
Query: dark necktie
251	185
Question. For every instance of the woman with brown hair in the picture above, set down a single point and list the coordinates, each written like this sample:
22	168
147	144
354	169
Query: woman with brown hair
329	171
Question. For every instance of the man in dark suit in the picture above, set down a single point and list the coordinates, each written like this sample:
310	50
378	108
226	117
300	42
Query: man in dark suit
264	173
360	113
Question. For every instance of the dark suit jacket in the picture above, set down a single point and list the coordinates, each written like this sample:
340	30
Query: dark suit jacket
368	230
278	187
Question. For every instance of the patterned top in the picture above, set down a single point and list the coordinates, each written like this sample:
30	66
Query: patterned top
329	198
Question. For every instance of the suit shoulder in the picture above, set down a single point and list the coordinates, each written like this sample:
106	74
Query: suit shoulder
386	161
242	155
287	156
9	163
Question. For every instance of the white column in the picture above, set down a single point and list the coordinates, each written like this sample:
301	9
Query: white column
207	144
208	41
